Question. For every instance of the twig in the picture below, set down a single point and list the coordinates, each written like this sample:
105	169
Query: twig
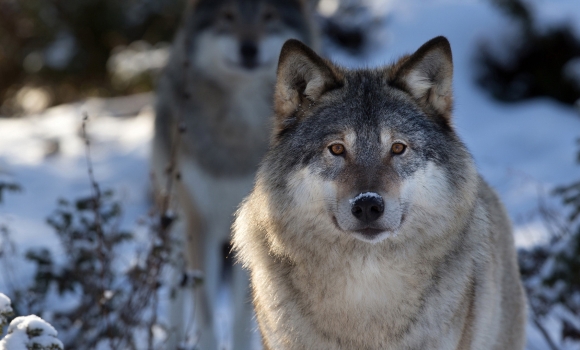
96	209
172	169
543	330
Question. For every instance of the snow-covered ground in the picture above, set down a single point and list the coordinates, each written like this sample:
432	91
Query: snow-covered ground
523	150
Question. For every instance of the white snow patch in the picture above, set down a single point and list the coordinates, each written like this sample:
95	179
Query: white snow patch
5	310
128	63
530	234
5	304
30	332
363	195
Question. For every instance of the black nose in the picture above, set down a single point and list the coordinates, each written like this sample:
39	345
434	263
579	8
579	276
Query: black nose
367	207
249	54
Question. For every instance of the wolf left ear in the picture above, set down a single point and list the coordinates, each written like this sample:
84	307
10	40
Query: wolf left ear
427	75
302	78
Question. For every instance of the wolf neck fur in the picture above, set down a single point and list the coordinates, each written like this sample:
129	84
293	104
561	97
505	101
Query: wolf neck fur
243	99
230	134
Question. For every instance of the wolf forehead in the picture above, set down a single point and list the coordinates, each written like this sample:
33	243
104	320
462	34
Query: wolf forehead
367	107
367	98
209	11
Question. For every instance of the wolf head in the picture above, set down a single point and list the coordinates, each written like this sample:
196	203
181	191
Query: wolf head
368	154
241	37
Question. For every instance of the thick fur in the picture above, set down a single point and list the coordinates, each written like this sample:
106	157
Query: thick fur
219	84
437	270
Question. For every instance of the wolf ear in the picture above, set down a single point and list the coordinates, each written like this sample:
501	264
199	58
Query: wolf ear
428	75
302	78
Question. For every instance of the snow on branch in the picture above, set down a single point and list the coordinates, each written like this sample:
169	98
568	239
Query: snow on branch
26	332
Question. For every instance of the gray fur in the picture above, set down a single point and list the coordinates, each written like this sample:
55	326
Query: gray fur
438	269
223	102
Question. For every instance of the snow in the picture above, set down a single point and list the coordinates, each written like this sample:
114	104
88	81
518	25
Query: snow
128	63
30	332
5	310
26	332
552	12
5	304
523	150
365	195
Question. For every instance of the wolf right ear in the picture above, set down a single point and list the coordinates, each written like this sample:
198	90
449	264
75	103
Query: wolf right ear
302	78
427	75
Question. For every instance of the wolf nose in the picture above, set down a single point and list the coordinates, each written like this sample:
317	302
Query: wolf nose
249	54
367	207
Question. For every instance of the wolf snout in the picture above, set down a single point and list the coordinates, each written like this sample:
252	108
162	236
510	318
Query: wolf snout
367	207
249	54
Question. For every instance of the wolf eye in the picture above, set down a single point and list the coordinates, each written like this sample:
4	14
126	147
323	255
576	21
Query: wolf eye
337	149
268	16
398	148
228	16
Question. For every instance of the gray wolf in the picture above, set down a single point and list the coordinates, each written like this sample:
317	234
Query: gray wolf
369	226
218	87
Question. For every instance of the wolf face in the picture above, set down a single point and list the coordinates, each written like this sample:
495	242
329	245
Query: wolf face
368	153
238	38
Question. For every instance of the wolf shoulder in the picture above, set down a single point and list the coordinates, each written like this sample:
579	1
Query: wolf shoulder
498	278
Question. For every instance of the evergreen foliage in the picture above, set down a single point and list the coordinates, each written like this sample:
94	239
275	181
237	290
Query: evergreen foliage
539	62
551	272
64	46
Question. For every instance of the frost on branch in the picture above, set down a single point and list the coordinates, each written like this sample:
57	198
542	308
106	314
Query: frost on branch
26	332
5	310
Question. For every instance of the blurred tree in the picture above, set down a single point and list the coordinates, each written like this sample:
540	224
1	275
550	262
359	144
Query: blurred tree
64	45
551	272
537	62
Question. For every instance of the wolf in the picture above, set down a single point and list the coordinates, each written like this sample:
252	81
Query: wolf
369	226
214	101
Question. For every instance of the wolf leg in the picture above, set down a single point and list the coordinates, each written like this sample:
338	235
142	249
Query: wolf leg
193	304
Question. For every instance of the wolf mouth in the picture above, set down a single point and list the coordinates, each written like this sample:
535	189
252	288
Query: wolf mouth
370	232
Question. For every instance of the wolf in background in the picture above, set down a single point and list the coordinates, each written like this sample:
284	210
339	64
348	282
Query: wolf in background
218	87
369	226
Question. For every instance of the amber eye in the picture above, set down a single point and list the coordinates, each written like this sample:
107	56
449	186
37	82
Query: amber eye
268	16
337	149
228	16
398	148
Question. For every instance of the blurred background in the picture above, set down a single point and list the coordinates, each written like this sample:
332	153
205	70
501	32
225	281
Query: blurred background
62	51
517	95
